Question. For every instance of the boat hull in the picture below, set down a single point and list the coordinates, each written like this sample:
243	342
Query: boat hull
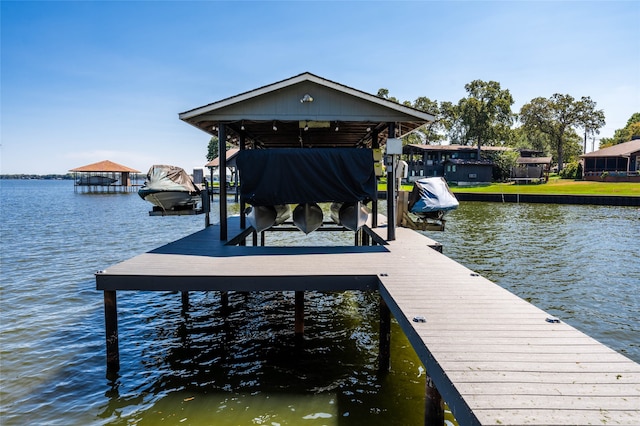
170	200
307	217
352	216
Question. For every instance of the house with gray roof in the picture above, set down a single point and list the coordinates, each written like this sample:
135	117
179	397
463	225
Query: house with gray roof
617	163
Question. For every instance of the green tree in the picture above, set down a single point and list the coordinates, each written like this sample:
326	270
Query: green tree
504	161
557	116
432	132
213	148
631	130
384	93
485	114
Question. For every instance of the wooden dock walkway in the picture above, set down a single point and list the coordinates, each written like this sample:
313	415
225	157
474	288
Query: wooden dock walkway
494	358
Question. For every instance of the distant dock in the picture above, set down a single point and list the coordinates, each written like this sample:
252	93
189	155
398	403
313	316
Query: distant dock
495	359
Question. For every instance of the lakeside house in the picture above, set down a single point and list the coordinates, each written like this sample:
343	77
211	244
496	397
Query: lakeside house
458	164
617	163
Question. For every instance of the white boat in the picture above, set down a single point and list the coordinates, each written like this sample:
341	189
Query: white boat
307	217
169	188
352	216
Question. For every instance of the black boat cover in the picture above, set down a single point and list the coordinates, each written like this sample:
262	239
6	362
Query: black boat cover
306	175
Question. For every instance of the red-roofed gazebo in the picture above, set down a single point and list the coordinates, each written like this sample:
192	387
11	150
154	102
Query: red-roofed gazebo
103	176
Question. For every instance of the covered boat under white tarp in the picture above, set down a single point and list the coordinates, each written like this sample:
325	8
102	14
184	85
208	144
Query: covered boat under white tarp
431	198
169	187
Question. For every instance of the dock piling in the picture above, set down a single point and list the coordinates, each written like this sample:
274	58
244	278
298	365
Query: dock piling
384	353
111	331
433	404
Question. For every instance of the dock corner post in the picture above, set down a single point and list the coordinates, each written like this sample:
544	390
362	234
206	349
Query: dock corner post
111	331
433	404
384	354
299	314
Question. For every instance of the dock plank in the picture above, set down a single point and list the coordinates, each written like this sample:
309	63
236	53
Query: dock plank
494	357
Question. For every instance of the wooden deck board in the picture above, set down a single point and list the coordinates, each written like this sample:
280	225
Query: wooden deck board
494	357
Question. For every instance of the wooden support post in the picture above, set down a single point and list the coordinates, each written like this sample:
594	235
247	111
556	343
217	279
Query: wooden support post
262	237
299	313
185	300
384	354
111	329
433	405
402	207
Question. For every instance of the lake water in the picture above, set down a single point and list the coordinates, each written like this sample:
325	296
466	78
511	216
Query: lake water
244	367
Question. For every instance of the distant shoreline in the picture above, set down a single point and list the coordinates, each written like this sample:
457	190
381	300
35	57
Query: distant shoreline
36	177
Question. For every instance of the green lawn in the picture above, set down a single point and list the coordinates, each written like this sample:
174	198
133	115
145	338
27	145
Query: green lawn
554	186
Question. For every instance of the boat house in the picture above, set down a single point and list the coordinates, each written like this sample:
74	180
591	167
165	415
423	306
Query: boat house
617	163
103	176
304	140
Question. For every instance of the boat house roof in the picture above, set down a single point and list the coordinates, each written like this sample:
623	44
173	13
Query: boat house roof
305	111
620	150
105	166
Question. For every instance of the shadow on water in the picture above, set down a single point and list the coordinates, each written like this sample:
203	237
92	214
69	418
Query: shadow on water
244	365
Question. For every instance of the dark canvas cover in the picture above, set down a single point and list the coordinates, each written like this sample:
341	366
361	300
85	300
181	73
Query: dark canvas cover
306	175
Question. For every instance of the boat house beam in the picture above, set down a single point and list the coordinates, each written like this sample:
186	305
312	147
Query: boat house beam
391	192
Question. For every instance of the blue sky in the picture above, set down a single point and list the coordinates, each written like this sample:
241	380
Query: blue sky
87	81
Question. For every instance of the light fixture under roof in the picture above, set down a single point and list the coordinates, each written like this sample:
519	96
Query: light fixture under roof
306	126
275	128
306	98
242	125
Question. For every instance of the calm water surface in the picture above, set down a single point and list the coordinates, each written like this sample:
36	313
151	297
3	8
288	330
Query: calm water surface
243	367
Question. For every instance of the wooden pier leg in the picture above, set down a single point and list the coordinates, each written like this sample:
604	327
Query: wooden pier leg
299	326
384	354
111	329
433	405
185	300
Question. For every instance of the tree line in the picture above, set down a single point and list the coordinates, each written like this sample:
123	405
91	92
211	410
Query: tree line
484	117
558	126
